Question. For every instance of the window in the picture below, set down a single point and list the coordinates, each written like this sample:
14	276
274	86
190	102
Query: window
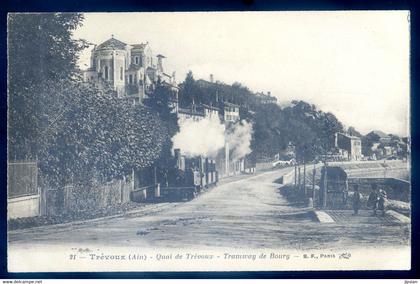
106	73
130	79
136	59
121	73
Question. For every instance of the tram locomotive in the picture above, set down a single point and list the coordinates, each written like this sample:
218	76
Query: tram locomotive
193	176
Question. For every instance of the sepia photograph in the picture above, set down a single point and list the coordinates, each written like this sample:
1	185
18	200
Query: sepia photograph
208	141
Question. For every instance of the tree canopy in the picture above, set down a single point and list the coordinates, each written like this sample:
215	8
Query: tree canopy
42	59
77	132
310	130
161	101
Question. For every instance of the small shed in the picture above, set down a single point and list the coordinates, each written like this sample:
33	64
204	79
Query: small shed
333	188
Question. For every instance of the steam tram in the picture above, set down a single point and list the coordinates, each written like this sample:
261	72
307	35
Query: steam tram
192	177
200	172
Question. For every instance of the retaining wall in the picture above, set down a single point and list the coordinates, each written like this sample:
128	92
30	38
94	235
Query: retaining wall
24	206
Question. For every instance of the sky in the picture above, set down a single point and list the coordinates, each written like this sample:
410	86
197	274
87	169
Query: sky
353	64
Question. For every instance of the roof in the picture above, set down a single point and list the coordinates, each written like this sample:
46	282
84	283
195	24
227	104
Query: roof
170	85
190	112
210	107
349	136
379	133
138	45
113	44
230	104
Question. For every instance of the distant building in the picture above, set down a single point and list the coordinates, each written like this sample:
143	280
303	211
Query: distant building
379	136
265	98
210	111
190	114
231	112
197	112
131	70
389	151
349	146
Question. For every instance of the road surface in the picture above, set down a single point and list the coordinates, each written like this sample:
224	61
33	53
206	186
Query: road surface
247	213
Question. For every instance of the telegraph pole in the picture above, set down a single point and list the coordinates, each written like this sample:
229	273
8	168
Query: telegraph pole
304	177
313	183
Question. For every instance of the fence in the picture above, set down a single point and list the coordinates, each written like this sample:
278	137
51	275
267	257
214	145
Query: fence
27	197
23	197
22	179
168	193
73	198
308	180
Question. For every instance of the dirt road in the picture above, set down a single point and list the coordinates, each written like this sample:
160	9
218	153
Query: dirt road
247	213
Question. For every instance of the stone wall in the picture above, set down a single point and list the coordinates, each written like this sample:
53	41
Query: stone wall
396	189
25	206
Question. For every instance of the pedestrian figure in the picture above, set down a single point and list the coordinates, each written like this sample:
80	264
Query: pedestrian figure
382	201
373	199
356	199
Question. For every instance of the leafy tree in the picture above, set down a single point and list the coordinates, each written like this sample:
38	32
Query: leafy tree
367	142
77	132
100	137
42	59
188	92
268	137
161	102
310	130
353	132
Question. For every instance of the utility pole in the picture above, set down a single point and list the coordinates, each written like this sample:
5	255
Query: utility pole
299	184
155	176
313	183
304	178
324	190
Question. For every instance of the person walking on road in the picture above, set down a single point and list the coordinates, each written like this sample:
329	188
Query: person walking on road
356	199
382	201
373	199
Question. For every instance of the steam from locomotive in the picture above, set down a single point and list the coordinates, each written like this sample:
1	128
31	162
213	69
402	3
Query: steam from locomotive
207	136
239	139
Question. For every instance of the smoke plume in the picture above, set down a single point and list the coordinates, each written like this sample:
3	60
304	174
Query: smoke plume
207	136
239	139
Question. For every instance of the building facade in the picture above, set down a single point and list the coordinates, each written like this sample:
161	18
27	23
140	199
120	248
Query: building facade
265	98
231	112
349	146
130	69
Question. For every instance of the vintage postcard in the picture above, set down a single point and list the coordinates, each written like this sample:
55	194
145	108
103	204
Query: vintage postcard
209	141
